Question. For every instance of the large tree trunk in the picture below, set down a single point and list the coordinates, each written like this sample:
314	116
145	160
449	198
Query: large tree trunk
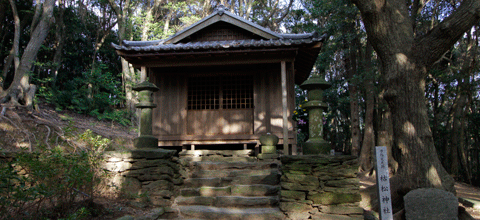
21	89
457	146
405	59
366	153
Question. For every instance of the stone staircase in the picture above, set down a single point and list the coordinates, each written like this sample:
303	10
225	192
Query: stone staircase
228	185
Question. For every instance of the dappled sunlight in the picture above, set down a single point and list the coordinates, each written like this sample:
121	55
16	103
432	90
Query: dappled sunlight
434	177
402	59
6	127
409	129
211	122
261	116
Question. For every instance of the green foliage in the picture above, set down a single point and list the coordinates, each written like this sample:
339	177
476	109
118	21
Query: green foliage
95	92
300	115
34	185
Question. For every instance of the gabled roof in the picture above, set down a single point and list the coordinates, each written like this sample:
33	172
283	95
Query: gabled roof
221	13
303	48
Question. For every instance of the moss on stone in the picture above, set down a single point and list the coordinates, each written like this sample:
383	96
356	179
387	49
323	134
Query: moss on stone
332	198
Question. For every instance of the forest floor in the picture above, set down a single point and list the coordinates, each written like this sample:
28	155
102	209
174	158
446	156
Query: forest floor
20	128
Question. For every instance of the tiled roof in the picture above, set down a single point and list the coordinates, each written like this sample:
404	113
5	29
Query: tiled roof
157	46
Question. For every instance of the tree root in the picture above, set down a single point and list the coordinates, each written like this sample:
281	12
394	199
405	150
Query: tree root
47	136
27	134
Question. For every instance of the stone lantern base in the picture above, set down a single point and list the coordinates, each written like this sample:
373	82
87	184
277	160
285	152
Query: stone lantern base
269	147
316	146
145	141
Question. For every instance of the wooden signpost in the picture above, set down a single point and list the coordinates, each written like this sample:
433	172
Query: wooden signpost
383	183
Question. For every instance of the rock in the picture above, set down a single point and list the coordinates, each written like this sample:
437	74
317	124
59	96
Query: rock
290	194
295	207
430	203
254	190
341	210
141	153
331	198
343	183
162	193
160	201
298	215
120	166
153	214
323	216
127	217
214	191
298	186
303	179
130	186
157	186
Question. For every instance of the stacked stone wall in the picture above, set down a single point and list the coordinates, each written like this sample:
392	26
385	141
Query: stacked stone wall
148	176
320	187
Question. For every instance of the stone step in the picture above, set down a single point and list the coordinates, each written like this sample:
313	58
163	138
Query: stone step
255	190
229	201
207	212
231	173
236	190
211	165
217	158
225	153
270	179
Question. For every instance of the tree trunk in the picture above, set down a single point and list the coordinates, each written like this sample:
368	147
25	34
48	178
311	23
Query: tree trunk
405	59
365	159
384	130
60	38
127	75
13	55
20	87
351	70
457	146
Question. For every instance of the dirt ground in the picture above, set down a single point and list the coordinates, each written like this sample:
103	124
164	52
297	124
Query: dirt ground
463	191
20	128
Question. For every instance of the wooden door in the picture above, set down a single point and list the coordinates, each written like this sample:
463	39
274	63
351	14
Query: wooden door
220	104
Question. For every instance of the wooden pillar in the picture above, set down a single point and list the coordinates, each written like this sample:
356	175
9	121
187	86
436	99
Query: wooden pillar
284	107
143	73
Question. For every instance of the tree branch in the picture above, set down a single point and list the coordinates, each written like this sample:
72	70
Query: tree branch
442	37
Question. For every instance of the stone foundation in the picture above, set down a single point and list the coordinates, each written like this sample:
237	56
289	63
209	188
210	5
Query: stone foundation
320	187
146	175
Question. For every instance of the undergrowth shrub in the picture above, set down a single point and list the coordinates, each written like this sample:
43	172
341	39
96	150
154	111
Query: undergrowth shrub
96	92
48	183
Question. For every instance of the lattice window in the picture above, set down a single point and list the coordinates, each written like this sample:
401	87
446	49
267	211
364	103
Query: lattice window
220	92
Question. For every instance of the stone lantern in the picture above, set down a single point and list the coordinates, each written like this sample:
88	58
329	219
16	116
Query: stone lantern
269	146
315	107
145	97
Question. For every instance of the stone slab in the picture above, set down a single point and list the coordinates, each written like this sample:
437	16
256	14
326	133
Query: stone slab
206	212
254	190
331	198
430	203
291	194
214	191
246	201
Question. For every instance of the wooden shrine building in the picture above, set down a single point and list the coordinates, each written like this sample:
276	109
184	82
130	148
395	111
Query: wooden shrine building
224	80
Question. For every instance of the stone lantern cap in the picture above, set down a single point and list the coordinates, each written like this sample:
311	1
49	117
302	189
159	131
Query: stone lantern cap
315	82
145	85
313	104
